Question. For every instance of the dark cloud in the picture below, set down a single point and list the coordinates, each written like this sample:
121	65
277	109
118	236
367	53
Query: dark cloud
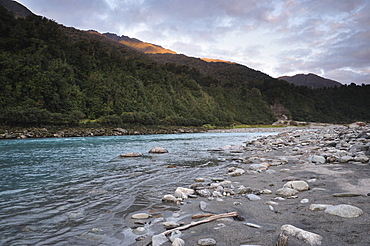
328	37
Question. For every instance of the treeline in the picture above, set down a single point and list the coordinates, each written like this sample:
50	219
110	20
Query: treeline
53	75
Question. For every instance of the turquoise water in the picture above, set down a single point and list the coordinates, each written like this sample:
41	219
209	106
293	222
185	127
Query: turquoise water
55	191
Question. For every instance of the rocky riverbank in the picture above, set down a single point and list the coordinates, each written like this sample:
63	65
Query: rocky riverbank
299	187
52	132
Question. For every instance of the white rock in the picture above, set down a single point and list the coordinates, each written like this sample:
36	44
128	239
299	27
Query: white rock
174	235
178	242
132	154
362	159
298	185
344	210
158	150
286	192
317	159
258	167
308	237
183	193
345	159
237	172
253	225
140	216
207	241
253	197
305	200
170	198
159	239
266	191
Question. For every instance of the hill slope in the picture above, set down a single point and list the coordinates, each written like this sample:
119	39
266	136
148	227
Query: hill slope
55	75
310	80
18	9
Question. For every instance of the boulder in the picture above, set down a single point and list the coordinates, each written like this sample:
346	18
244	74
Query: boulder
158	150
344	210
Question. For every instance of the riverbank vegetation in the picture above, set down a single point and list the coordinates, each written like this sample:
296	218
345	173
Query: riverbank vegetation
52	75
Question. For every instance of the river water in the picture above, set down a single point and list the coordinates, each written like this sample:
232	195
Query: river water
58	191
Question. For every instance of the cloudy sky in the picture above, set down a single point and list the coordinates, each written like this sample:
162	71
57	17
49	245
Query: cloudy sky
330	38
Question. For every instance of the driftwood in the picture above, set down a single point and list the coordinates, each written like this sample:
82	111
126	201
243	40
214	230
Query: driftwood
213	217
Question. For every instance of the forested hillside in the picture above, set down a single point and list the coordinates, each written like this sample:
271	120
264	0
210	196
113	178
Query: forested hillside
53	75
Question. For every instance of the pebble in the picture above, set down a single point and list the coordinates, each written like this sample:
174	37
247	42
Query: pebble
305	200
206	241
297	185
140	216
286	192
253	197
252	225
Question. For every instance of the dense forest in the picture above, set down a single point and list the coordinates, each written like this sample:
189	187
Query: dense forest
54	75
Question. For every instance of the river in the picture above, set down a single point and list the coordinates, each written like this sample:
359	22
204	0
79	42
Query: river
55	191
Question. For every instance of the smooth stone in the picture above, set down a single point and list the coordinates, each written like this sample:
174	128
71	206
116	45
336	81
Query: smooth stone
170	225
132	154
317	159
305	200
183	193
139	231
258	167
178	242
269	171
308	237
237	172
344	210
159	239
206	241
362	159
199	180
253	197
158	150
170	198
266	191
252	225
271	203
297	185
319	207
286	192
140	216
345	159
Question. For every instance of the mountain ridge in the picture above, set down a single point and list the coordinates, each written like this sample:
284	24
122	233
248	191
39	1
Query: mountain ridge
310	80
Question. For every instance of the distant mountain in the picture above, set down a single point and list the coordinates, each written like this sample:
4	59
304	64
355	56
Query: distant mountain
147	48
18	9
310	80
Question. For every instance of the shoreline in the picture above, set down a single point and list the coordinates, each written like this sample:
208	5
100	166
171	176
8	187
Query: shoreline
332	161
61	132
